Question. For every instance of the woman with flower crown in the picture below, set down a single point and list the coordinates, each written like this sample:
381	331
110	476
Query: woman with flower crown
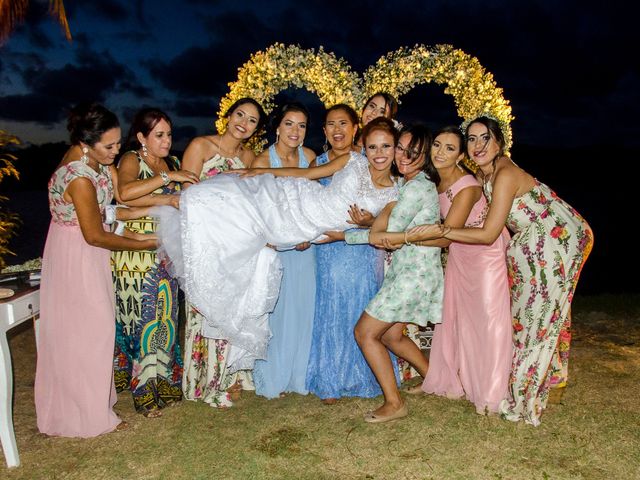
550	244
205	374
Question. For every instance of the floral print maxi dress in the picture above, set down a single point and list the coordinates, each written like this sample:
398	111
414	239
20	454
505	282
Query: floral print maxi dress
550	245
205	374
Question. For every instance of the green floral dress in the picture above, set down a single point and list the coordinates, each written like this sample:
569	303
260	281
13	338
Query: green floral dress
413	285
550	244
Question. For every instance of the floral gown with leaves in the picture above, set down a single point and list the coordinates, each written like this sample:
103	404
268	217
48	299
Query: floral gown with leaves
550	244
205	375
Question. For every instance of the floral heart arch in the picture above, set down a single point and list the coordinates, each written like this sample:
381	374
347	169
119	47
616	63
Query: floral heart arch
332	80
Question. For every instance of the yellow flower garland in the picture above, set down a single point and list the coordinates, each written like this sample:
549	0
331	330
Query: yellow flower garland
279	67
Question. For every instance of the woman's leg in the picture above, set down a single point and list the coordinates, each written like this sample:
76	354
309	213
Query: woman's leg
368	333
395	340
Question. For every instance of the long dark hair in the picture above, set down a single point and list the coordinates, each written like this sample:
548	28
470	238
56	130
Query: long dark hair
262	120
389	101
286	108
494	129
420	142
432	171
87	122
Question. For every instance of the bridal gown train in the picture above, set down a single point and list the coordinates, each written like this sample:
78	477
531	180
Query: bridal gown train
216	243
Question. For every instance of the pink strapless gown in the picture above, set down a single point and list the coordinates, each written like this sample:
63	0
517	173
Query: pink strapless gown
472	348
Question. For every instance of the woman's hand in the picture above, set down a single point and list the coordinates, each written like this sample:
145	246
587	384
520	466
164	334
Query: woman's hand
183	176
174	201
360	217
427	232
247	172
387	245
332	236
302	246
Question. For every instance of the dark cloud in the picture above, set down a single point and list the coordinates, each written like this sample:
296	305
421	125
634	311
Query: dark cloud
43	109
206	108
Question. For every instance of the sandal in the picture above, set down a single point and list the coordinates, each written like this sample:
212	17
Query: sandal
155	413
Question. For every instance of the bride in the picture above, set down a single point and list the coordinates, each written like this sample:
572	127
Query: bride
217	241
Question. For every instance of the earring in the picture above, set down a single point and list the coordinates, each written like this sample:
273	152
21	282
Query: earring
84	158
325	147
459	166
144	150
277	136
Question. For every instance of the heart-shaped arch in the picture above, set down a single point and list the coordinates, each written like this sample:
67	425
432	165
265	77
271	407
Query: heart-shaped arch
279	67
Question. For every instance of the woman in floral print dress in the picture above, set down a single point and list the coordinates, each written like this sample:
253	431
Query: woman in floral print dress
74	389
412	289
550	244
205	376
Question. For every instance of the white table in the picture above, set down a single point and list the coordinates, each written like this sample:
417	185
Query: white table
23	306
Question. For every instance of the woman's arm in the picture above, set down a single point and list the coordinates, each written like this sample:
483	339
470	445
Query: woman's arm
414	197
458	214
360	236
83	195
131	188
195	155
311	173
505	187
262	160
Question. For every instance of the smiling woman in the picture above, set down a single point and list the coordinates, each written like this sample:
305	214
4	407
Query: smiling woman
226	222
74	390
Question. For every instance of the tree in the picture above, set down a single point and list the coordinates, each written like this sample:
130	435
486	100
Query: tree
12	12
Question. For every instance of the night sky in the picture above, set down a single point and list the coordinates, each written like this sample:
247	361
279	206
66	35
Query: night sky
563	65
569	70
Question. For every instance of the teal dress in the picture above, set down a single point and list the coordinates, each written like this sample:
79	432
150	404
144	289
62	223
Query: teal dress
291	322
412	289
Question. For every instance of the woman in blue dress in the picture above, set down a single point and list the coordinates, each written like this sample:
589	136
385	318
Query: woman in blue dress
347	277
291	321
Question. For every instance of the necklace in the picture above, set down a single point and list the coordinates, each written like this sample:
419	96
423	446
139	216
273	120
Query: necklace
221	150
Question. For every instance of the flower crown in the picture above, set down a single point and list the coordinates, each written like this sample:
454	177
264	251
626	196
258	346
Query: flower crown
504	128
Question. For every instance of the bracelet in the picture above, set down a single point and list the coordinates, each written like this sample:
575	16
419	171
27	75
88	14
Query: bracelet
406	240
165	178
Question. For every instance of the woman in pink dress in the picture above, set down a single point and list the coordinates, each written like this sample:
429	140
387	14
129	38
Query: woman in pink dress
472	348
74	389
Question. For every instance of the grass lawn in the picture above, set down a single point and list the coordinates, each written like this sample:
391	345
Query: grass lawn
593	434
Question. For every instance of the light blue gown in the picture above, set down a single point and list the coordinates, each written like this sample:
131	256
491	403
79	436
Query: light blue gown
291	321
347	278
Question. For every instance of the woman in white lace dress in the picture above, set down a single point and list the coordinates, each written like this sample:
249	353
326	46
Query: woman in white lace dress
225	223
205	376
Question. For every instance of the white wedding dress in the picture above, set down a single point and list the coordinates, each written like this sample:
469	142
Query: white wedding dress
215	243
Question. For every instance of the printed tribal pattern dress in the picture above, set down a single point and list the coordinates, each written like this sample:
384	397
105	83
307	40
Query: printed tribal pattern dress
147	355
550	244
205	376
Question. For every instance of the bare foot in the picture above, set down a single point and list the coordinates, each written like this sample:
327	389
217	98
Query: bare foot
155	413
329	401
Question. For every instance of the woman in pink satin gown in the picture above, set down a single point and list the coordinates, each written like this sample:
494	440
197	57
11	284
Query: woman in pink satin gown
472	347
